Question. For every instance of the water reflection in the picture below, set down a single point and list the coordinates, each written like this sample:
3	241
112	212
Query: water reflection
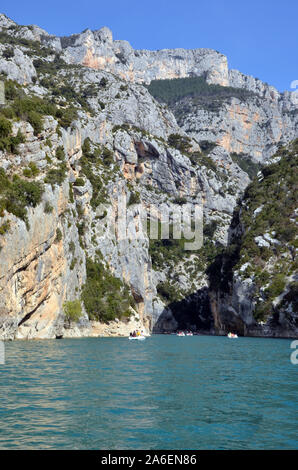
168	392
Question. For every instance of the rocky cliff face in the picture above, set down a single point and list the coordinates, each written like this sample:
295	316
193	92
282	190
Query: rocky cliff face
253	126
254	283
85	151
35	274
98	50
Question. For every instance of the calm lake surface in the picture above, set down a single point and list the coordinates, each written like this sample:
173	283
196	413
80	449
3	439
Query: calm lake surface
167	392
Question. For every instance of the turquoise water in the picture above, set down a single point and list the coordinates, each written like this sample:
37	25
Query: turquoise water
167	392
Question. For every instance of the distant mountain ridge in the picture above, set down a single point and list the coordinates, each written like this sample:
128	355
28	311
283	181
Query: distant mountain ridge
253	127
98	50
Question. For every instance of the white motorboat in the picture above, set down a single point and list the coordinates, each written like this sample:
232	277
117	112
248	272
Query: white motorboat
232	335
138	338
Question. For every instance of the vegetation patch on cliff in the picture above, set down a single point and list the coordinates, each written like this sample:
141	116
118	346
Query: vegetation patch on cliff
171	91
98	166
264	236
169	256
246	164
32	109
105	296
8	142
17	194
72	310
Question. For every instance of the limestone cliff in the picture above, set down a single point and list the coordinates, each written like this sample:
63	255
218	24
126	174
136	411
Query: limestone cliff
252	125
86	150
248	119
254	282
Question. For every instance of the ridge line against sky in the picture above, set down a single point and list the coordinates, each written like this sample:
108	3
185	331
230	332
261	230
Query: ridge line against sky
259	38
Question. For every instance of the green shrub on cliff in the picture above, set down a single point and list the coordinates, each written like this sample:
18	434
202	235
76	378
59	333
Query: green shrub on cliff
169	252
26	192
134	198
5	127
8	142
202	158
167	292
210	229
276	287
72	310
4	228
171	91
107	156
267	235
12	90
91	163
8	53
179	142
86	147
11	143
33	47
105	296
48	208
66	116
36	121
31	171
56	176
180	200
60	154
33	108
246	164
79	182
58	235
17	194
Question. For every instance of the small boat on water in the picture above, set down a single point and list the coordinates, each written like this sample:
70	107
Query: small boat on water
137	335
232	335
183	333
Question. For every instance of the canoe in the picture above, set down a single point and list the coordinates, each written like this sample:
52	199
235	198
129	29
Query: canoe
139	338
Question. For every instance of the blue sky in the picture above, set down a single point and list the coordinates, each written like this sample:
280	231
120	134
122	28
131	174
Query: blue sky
259	37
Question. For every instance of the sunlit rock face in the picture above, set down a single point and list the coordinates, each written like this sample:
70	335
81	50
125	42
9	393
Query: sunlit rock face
97	49
253	126
43	265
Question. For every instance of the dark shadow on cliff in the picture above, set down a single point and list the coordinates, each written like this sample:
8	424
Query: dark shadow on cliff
192	313
220	271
